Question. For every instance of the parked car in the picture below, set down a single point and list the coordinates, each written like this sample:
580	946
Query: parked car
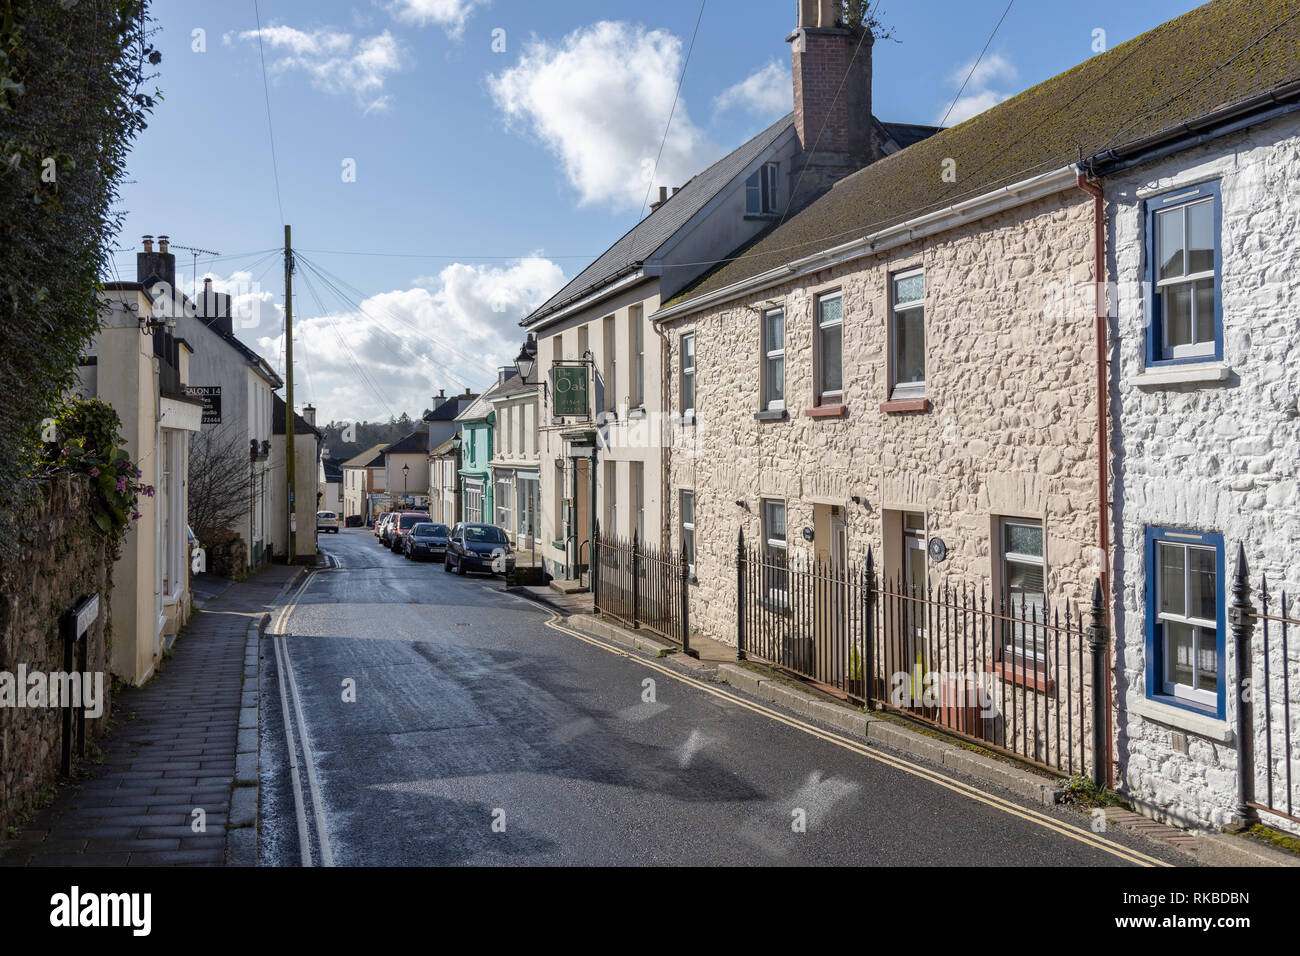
478	547
426	540
400	526
381	526
378	525
327	521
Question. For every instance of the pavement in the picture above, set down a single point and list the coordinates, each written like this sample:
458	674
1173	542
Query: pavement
411	716
163	793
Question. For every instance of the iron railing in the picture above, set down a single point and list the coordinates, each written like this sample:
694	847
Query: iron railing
1268	728
642	586
1015	677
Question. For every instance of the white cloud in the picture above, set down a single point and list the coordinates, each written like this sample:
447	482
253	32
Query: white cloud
599	100
980	93
337	63
768	92
447	331
448	14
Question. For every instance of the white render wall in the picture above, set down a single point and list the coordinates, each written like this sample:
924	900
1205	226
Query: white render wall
1212	456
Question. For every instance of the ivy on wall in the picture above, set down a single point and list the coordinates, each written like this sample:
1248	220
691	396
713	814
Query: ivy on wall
71	103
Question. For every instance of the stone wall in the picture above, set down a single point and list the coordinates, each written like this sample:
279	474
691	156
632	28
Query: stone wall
59	558
1212	456
1010	432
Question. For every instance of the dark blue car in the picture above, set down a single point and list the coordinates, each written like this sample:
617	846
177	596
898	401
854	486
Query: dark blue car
426	540
478	547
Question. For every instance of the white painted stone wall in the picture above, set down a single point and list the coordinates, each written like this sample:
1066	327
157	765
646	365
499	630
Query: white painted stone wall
1211	457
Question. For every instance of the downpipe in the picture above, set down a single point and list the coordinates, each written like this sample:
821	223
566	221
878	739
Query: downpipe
1103	443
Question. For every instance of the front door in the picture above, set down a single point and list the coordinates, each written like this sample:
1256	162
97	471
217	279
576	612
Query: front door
831	653
914	589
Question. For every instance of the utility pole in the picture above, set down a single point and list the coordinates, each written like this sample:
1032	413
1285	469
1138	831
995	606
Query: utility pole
288	387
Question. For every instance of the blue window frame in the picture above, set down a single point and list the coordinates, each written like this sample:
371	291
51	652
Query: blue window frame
1186	619
1184	299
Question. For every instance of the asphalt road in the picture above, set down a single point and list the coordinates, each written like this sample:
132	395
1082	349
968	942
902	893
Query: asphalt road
478	734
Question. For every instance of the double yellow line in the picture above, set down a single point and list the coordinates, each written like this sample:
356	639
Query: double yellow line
1079	834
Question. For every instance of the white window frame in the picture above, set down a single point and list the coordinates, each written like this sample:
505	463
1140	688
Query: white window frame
688	373
1014	647
1195	349
636	326
1199	625
905	390
771	355
610	330
828	396
611	496
777	596
688	528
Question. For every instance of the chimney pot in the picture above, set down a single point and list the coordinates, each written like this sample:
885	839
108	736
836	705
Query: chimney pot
207	284
148	243
162	244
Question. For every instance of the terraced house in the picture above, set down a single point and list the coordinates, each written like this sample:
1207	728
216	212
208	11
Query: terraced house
611	463
1201	211
899	368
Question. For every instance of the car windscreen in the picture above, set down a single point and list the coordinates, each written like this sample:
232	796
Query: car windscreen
410	521
485	535
427	530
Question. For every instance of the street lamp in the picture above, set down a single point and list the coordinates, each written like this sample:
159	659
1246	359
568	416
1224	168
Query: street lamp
526	361
405	471
456	442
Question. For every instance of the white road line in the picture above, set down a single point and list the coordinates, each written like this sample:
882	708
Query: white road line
322	833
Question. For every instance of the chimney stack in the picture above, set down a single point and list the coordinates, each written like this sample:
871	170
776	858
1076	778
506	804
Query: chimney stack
828	59
152	267
214	309
663	198
309	415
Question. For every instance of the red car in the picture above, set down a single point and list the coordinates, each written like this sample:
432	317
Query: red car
400	526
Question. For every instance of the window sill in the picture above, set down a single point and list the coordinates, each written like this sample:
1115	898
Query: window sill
636	414
827	411
771	415
685	420
895	405
1190	373
762	216
1203	725
1032	679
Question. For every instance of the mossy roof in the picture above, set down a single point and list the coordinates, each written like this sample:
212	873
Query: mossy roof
1219	54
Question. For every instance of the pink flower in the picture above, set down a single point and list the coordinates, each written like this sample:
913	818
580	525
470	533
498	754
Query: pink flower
94	471
135	516
121	482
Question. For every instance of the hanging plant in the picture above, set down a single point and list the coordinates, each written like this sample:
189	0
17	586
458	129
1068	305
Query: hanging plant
86	442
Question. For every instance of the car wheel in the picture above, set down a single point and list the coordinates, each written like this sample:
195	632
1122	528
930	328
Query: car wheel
446	564
460	566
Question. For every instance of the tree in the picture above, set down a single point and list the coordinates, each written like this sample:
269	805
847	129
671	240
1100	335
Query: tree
218	482
70	107
861	14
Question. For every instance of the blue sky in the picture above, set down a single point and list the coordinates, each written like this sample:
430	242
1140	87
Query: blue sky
486	177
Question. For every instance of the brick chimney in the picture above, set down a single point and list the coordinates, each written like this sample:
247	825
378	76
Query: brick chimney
832	99
152	267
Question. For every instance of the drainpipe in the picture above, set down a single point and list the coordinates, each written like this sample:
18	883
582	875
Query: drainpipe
1103	444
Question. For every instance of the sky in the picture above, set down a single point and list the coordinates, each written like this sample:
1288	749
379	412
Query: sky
446	165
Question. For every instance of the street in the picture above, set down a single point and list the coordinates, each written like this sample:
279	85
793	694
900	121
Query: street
435	719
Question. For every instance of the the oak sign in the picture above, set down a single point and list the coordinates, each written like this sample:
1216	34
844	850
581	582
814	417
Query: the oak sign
570	389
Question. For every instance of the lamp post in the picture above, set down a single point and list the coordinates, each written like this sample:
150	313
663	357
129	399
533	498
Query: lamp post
456	443
406	470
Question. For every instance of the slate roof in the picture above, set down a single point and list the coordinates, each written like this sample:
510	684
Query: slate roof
416	443
333	469
372	457
1221	53
447	409
300	425
641	241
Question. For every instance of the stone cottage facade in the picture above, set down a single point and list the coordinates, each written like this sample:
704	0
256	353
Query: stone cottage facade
1205	401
